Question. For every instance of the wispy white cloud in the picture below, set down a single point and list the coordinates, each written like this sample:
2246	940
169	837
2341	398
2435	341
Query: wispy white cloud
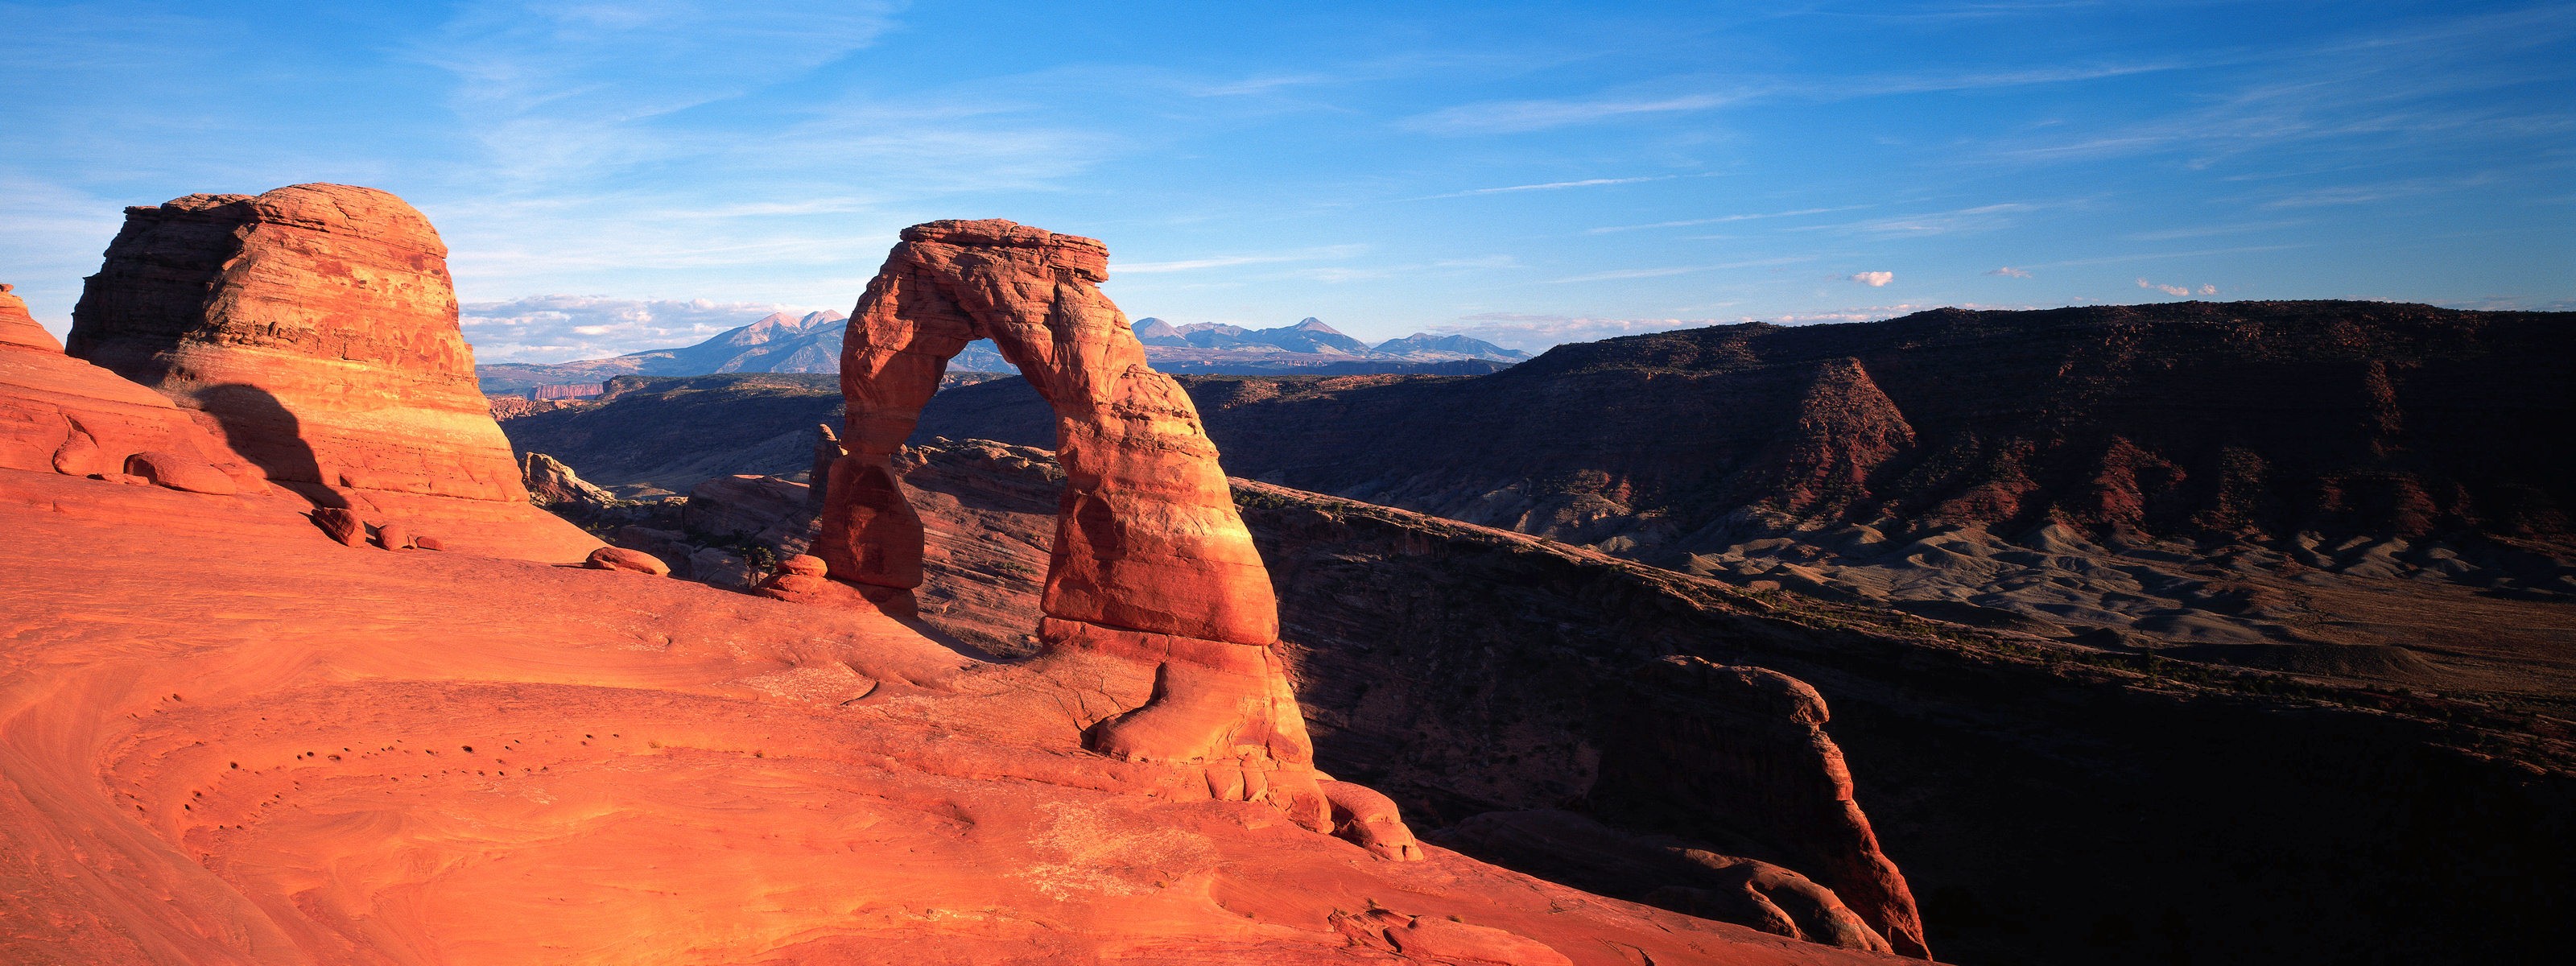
1555	185
1623	273
2382	191
1535	333
1264	84
1681	95
1513	117
1874	279
1627	273
1436	268
51	235
2415	82
1980	218
1721	219
554	91
1870	313
2178	290
2158	256
2205	231
562	328
1229	261
1538	332
2010	272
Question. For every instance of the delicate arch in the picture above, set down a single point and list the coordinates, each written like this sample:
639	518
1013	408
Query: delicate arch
1151	563
1147	538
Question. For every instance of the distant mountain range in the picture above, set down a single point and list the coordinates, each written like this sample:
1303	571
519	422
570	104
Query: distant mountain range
1312	348
812	343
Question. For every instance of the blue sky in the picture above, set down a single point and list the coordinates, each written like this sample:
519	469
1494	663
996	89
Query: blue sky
620	176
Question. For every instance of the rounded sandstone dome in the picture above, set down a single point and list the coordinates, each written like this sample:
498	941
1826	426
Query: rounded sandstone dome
340	209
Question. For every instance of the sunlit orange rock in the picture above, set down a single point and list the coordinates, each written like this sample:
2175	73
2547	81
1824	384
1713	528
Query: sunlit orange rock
1151	567
18	328
314	329
231	740
620	558
61	415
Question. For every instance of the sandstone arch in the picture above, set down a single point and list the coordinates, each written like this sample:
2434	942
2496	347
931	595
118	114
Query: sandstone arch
1151	564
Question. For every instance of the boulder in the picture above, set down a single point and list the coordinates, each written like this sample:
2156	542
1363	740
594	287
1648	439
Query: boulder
1370	820
620	558
800	577
314	329
392	536
178	471
341	524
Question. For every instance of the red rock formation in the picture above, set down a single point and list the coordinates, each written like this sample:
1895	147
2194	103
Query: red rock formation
1575	850
620	558
1464	669
227	740
61	415
1151	565
549	482
1750	743
1845	429
17	328
314	328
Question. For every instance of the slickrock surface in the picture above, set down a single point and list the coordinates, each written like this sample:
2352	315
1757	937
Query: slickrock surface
238	742
17	328
61	415
314	328
1150	564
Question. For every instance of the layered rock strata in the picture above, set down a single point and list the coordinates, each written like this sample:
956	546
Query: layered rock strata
314	329
1151	566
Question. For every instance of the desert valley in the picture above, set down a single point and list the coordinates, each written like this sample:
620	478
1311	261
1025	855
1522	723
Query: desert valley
972	666
969	619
